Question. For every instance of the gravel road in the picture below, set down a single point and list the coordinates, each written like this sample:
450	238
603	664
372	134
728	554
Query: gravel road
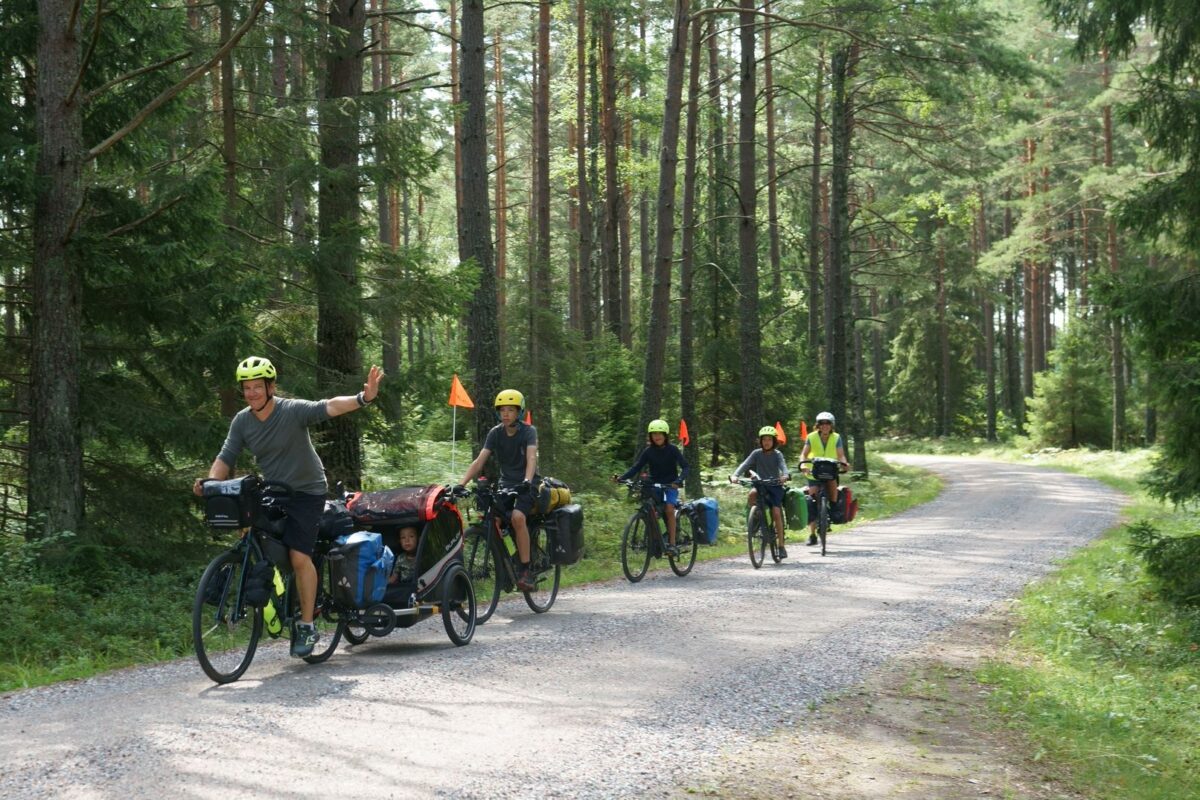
620	691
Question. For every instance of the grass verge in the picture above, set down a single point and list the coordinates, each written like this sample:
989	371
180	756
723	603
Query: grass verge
1102	675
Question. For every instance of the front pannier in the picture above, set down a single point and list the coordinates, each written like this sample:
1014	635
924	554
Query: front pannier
795	507
358	569
406	505
564	532
231	503
335	521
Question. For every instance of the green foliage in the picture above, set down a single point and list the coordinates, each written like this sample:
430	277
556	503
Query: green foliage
1072	403
1173	560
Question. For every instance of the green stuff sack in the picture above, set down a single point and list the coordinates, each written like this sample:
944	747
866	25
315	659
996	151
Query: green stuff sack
795	507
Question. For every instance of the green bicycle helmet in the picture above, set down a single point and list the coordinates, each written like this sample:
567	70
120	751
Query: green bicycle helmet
254	367
658	426
767	430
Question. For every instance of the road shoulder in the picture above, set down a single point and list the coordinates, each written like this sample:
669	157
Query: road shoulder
917	728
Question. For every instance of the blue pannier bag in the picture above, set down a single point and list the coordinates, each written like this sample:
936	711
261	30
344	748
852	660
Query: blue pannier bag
707	507
358	569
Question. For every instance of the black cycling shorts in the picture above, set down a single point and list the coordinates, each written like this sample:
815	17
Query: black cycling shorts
303	517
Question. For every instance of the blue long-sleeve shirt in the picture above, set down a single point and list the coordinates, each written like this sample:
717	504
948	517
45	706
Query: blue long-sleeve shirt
662	462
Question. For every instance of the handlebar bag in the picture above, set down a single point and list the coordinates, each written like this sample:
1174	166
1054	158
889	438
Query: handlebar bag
406	505
707	506
358	569
231	503
823	470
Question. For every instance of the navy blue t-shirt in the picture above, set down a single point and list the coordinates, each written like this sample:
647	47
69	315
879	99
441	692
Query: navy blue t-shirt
511	451
662	462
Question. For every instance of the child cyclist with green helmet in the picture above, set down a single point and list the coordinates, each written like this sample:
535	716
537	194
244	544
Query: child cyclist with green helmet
667	466
767	462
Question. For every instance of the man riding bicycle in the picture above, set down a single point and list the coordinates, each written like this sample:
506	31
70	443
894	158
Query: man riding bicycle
275	431
823	443
515	446
767	462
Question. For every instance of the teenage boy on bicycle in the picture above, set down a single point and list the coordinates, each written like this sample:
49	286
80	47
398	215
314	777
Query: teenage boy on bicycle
767	462
823	443
275	431
663	459
515	446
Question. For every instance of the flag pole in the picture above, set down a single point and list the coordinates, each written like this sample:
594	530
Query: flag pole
453	437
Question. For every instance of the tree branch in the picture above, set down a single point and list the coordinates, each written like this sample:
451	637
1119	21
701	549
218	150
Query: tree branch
87	56
127	227
94	93
170	93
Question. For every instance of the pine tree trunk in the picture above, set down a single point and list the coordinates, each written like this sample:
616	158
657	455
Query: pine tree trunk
772	188
1118	339
501	194
668	160
646	256
989	328
545	326
750	334
838	273
610	132
814	214
587	299
475	233
718	236
339	298
687	385
456	100
55	456
943	337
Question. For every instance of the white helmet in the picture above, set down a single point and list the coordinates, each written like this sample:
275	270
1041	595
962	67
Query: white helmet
825	415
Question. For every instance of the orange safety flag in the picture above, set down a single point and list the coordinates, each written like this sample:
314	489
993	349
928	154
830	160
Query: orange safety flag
458	395
780	436
803	429
528	417
683	433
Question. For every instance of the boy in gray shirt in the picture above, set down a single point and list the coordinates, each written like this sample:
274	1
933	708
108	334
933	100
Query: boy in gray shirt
768	463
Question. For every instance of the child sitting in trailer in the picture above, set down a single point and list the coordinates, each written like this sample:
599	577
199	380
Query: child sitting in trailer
406	560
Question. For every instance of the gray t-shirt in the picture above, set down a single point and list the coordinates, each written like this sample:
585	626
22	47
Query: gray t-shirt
509	451
768	464
280	444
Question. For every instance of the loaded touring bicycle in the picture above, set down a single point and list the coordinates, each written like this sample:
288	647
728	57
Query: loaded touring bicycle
249	588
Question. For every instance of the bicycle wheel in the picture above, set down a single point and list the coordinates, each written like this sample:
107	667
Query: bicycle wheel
458	605
823	521
481	569
354	633
635	548
754	540
224	631
687	537
548	575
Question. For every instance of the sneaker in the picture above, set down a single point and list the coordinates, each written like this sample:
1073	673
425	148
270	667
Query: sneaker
782	552
526	581
304	639
812	539
671	550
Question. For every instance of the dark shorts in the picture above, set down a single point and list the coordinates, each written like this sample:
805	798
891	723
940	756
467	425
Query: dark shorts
772	496
303	517
523	502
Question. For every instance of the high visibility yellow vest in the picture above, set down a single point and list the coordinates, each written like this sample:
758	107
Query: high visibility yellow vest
818	450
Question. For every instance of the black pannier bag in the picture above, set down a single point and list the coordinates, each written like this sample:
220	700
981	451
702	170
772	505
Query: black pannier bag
259	584
231	503
407	505
564	533
335	521
824	470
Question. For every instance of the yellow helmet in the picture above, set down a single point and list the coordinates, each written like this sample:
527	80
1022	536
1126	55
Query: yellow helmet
658	426
768	430
255	367
510	397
